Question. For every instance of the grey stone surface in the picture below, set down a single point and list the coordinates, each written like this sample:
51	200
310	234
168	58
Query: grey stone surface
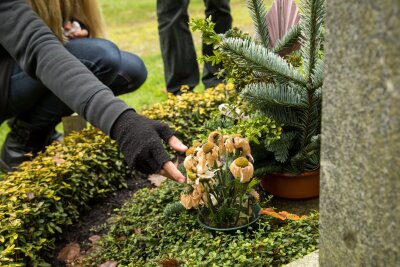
360	156
310	260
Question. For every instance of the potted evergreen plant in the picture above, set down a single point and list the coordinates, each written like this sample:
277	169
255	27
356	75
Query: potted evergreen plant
289	93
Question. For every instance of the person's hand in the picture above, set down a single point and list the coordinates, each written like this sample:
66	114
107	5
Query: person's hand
169	168
139	139
73	30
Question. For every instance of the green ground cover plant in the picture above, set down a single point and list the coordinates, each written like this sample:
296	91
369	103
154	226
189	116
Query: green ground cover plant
48	193
142	235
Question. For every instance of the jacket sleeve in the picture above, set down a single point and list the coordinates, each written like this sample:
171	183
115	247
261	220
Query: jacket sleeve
32	44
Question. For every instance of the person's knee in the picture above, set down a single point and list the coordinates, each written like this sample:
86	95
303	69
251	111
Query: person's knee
140	73
109	62
132	70
100	56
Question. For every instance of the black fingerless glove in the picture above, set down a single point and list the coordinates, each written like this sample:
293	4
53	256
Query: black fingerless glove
139	140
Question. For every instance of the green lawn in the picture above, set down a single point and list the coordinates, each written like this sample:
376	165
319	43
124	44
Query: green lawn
132	25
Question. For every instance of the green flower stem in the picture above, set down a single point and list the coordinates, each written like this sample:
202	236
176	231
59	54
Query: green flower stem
210	205
238	210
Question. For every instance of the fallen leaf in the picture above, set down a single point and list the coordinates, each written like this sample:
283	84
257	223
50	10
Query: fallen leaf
94	239
121	238
109	264
57	160
290	216
282	215
169	263
138	231
70	252
272	213
157	179
30	195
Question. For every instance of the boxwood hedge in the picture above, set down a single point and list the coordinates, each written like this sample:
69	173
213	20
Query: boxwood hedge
48	193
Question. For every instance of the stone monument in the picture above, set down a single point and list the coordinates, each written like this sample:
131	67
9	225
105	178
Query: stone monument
360	154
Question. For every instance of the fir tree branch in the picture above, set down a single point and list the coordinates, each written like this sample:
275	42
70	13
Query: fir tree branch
288	40
313	12
259	14
270	94
310	121
309	156
282	147
249	54
317	77
267	169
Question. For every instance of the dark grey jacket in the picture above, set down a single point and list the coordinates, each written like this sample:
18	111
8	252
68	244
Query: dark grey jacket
26	39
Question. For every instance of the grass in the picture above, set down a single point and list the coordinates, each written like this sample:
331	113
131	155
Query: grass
132	25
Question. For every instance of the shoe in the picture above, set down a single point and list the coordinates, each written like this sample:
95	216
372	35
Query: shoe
4	167
54	136
184	89
24	142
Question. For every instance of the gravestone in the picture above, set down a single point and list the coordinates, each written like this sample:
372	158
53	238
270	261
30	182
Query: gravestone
73	123
360	154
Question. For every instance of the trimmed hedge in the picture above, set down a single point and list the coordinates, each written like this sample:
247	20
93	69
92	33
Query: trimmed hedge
48	193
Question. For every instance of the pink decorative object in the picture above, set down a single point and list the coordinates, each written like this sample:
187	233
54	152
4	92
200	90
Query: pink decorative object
280	18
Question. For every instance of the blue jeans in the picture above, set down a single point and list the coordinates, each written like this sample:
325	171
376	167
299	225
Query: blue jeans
34	104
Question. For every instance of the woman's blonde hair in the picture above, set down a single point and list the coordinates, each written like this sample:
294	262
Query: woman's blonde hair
56	12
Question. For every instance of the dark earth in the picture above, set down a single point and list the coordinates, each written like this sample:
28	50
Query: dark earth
98	214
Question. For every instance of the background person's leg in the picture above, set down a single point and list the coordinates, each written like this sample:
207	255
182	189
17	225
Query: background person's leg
177	48
219	10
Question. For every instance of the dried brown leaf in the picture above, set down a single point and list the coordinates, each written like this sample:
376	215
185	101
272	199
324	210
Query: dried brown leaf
169	263
94	239
70	252
138	231
109	264
157	179
57	160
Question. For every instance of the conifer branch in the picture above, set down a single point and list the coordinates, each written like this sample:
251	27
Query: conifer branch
255	56
271	95
259	14
288	40
313	12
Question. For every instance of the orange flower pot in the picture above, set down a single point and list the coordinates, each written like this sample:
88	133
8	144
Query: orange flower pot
300	186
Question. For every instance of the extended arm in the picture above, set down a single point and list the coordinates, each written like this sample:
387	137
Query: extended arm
32	44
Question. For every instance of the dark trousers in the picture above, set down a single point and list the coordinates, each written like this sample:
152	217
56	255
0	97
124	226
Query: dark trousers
177	48
30	101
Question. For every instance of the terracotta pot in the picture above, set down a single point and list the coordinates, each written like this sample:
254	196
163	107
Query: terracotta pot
301	186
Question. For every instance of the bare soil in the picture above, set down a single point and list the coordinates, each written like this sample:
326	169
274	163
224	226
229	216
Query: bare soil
99	213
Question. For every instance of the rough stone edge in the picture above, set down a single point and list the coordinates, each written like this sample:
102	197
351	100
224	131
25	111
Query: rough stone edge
309	260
